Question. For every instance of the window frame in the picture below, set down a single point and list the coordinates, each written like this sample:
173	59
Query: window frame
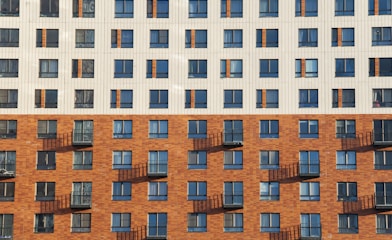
49	131
158	164
351	220
381	37
382	97
233	13
197	191
233	98
161	70
199	100
269	68
159	38
162	129
267	129
309	191
83	38
306	37
197	68
342	67
347	191
86	162
197	222
7	193
236	68
125	163
311	68
233	193
45	191
46	160
9	68
44	223
200	9
122	129
199	161
272	157
232	160
269	191
80	222
126	38
309	162
51	69
386	160
381	10
9	37
12	10
308	98
346	160
343	128
232	38
343	7
271	8
84	98
124	222
157	191
309	132
7	226
88	10
8	129
123	8
310	225
383	227
49	43
161	100
347	39
272	225
200	38
197	129
309	12
162	9
157	225
233	222
121	191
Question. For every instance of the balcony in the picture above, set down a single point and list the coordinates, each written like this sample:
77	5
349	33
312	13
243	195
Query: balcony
6	232
7	171
81	200
233	201
157	170
382	201
84	138
309	170
232	138
381	138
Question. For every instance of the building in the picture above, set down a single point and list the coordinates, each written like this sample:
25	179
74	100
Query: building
195	119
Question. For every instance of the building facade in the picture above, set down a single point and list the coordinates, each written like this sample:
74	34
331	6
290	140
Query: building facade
195	119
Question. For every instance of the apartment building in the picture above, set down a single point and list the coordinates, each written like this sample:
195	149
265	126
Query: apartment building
195	119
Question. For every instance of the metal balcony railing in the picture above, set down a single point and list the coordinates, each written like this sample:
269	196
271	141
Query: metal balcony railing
82	138
81	200
383	201
157	169
382	138
232	138
233	200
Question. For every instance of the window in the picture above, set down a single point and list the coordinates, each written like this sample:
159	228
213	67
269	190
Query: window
158	129
344	67
81	195
9	68
381	36
382	97
343	98
310	225
121	222
306	68
84	38
231	8
232	38
84	98
83	8
197	69
195	98
122	191
378	67
342	37
269	128
271	98
197	160
121	98
122	129
348	223
157	163
379	7
232	159
47	129
383	160
233	222
346	160
270	222
159	38
122	39
195	38
157	191
122	159
9	37
123	9
7	193
344	7
198	9
232	131
47	38
345	129
269	191
83	132
48	68
309	191
157	225
269	68
8	163
231	68
310	9
157	8
197	129
6	225
8	128
197	190
347	191
123	68
269	159
269	8
9	8
44	223
383	194
308	128
267	38
45	191
82	68
308	37
81	222
233	99
233	194
157	69
46	160
309	163
159	99
384	223
197	222
82	160
308	98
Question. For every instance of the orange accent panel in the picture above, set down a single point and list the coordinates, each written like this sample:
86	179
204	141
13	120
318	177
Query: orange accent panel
228	7
118	98
228	68
44	38
339	37
42	98
193	42
80	8
118	38
154	8
192	98
263	98
263	37
80	63
376	6
154	68
377	67
303	8
340	98
303	67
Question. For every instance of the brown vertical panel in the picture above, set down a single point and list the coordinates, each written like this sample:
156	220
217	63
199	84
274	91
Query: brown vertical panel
42	98
227	68
376	67
193	38
154	68
303	67
154	8
303	8
44	38
376	7
339	37
340	97
228	7
263	37
264	98
80	8
118	98
118	38
80	63
192	98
